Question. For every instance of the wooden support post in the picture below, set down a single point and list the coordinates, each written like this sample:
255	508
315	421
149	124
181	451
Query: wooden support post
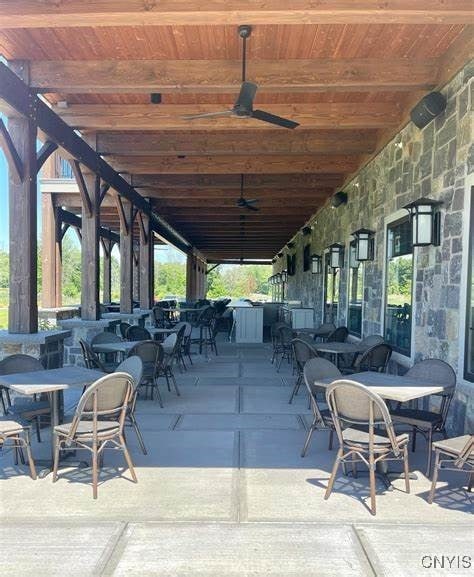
107	246
146	271
90	249
190	277
136	273
51	255
23	302
126	254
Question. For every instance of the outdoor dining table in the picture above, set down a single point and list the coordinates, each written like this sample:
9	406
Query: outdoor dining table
316	332
161	331
122	347
51	382
390	387
336	349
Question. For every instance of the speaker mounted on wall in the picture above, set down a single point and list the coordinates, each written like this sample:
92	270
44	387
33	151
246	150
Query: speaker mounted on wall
429	107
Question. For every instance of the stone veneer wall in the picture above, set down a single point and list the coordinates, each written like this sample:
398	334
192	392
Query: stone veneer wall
433	162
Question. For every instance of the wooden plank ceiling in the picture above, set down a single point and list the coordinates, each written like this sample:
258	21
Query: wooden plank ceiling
348	76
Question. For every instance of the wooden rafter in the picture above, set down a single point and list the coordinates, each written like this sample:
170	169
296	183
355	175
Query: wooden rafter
144	117
95	76
74	13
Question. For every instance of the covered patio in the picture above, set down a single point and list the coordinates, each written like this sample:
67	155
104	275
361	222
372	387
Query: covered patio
332	142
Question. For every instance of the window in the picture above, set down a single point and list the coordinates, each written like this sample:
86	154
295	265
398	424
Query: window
331	291
399	280
356	295
469	354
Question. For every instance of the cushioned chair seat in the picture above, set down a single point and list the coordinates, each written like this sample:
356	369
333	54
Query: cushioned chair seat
415	417
85	428
10	426
361	437
453	446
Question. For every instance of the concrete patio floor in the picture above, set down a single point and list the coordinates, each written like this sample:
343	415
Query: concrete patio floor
223	491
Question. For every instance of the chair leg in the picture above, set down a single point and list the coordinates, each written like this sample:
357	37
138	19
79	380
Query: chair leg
175	384
308	440
138	433
279	362
406	467
331	436
333	473
158	394
354	465
37	428
56	458
428	464
94	469
413	440
435	478
295	389
372	483
128	459
470	482
31	462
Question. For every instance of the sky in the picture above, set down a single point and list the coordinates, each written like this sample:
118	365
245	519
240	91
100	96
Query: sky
162	254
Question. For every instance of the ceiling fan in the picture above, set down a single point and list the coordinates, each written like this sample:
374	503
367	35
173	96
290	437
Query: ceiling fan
243	106
242	202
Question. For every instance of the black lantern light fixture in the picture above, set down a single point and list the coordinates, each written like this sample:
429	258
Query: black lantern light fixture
284	276
316	264
364	244
353	262
425	221
336	255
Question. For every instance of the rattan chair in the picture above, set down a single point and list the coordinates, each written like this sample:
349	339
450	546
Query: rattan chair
19	435
136	333
171	347
151	354
93	427
133	366
354	363
365	432
206	325
286	337
317	369
275	338
375	358
302	352
123	328
31	409
428	422
91	359
338	335
186	342
458	455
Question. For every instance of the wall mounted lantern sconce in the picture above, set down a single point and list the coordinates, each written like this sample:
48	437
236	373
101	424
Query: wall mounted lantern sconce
336	255
364	244
316	264
353	262
425	220
284	276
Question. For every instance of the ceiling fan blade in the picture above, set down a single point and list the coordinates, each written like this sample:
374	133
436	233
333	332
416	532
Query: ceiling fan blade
207	115
251	207
251	201
273	119
246	95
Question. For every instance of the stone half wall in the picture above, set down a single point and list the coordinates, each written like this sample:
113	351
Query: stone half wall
434	162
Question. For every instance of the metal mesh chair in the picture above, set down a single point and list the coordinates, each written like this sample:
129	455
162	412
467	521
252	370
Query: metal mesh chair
186	342
93	427
302	352
375	358
109	360
365	432
159	317
458	455
133	366
19	435
152	355
171	346
353	365
428	422
286	336
136	333
206	325
275	337
317	369
31	409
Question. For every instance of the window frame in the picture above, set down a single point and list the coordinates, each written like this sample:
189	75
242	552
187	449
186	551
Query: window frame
400	358
468	375
338	277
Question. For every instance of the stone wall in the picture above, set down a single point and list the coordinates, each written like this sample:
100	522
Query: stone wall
433	162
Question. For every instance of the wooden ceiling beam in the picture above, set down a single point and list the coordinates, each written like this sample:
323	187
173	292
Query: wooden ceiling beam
236	142
223	76
199	182
235	164
100	13
144	117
